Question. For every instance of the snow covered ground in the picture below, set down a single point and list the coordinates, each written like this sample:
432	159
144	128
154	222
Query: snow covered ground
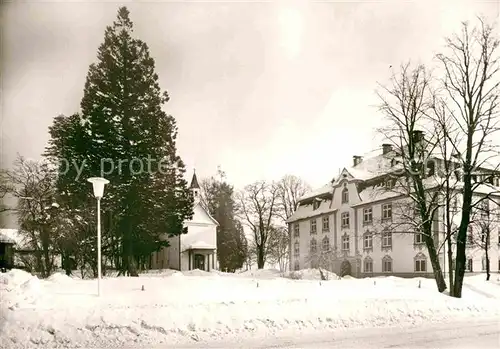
177	309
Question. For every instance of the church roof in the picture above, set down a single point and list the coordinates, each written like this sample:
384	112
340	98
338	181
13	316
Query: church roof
194	182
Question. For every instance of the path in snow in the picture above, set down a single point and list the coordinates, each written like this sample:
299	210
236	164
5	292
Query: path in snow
484	334
477	290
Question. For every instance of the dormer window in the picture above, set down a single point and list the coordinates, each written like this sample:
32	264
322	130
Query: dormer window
389	183
345	196
316	204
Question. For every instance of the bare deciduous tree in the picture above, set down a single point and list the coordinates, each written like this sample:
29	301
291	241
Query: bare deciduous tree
471	90
258	208
279	246
33	185
405	103
291	189
483	221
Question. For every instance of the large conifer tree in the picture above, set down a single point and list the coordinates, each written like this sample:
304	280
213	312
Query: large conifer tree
123	133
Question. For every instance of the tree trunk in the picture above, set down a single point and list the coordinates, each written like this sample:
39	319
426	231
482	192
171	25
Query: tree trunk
460	260
450	265
261	261
462	238
433	256
486	248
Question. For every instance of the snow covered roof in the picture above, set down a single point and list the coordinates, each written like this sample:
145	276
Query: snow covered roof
327	188
6	239
371	194
306	211
13	236
201	245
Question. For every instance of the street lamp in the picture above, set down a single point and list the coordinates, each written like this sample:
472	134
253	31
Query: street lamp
98	184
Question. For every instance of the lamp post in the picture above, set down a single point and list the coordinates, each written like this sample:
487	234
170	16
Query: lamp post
98	184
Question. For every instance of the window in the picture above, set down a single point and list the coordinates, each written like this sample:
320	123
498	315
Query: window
296	247
499	238
297	266
387	264
296	231
483	263
326	244
389	183
315	204
419	238
345	219
368	265
483	237
314	246
386	211
431	168
485	209
367	215
420	263
386	239
470	236
345	243
470	264
455	205
345	196
368	241
326	223
313	226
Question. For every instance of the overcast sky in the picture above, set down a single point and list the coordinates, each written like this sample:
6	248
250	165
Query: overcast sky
260	88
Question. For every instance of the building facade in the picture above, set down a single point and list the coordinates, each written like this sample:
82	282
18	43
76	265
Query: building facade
197	248
360	224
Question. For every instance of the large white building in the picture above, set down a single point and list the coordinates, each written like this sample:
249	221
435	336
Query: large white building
197	249
359	224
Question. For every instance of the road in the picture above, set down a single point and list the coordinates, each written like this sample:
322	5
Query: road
474	334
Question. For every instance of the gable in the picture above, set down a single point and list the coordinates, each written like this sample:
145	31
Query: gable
201	216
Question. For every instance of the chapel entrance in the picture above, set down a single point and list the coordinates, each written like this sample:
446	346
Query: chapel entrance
199	261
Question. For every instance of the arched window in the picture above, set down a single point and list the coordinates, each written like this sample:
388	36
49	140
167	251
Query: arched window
420	263
326	244
368	265
387	264
345	196
314	246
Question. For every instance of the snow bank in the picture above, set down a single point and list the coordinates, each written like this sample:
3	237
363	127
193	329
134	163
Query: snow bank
261	273
176	310
312	274
162	272
14	278
60	277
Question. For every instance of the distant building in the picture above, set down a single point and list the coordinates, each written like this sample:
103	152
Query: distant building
360	223
16	251
197	249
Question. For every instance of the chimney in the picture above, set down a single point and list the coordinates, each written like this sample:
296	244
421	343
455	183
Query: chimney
418	136
386	148
356	160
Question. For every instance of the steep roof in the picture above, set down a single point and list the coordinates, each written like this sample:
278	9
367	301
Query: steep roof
194	182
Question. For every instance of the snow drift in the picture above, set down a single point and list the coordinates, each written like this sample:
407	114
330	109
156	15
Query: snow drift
178	308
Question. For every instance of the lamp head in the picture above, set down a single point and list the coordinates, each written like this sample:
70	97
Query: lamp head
98	184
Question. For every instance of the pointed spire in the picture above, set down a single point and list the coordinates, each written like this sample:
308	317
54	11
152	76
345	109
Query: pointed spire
194	181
